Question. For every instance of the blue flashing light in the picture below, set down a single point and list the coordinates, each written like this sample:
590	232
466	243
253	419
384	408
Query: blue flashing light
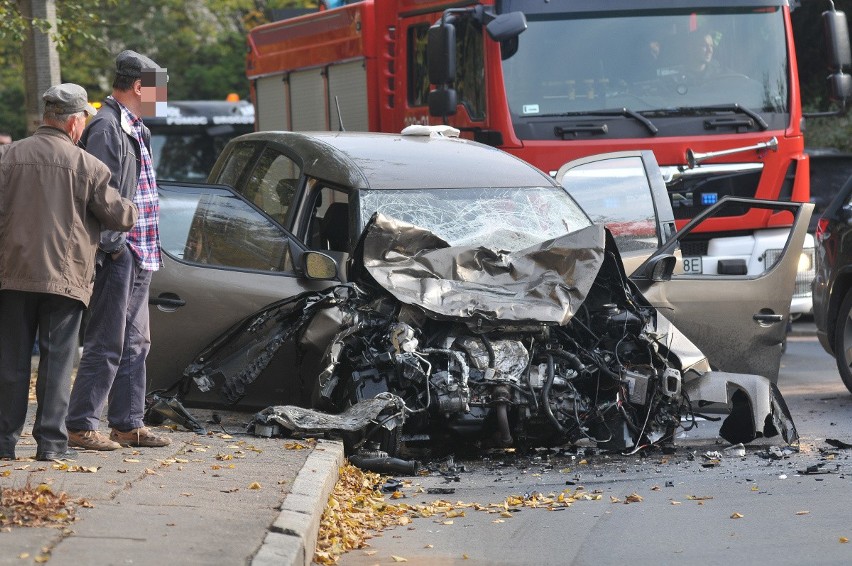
709	198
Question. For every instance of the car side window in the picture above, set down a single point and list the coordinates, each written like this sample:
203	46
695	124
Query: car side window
272	184
615	192
329	227
211	226
235	164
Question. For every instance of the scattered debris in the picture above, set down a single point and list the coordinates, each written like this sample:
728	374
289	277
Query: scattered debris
837	443
736	451
818	469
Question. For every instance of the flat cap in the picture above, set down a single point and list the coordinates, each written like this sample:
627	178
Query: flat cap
130	64
67	98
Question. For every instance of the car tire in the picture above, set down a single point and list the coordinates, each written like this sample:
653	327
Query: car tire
843	341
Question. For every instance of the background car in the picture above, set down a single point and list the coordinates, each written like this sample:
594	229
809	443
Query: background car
832	285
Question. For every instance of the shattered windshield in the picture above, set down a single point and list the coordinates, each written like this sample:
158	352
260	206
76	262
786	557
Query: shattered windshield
503	218
652	63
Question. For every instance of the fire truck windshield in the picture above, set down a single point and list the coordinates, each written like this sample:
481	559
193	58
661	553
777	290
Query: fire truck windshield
673	68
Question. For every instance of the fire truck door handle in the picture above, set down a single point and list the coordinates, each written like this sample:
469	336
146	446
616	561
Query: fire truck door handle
767	318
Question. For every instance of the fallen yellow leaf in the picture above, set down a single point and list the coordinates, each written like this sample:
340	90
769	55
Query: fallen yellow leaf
844	539
254	485
633	498
737	516
802	512
398	558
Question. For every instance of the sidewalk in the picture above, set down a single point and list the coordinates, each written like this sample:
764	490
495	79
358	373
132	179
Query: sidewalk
220	498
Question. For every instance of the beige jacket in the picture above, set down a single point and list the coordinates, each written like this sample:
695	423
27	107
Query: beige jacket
54	200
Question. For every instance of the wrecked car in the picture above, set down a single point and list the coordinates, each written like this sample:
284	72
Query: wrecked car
391	287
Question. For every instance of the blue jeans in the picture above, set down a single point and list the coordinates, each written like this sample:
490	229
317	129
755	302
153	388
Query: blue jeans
57	320
115	346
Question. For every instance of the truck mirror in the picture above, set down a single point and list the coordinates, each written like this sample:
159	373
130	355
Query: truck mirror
507	26
840	87
441	53
443	102
837	40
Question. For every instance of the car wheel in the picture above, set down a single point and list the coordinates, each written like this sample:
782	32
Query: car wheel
843	341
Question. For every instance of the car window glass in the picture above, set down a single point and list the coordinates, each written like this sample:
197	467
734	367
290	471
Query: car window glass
272	184
504	218
235	164
615	192
329	223
217	228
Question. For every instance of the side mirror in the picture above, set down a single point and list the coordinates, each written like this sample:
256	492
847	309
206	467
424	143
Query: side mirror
660	268
840	87
443	102
837	40
507	26
441	53
316	265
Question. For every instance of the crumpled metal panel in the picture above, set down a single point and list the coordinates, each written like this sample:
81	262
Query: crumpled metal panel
355	418
545	283
768	415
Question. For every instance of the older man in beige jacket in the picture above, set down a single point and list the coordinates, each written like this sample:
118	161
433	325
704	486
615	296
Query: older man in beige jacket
54	199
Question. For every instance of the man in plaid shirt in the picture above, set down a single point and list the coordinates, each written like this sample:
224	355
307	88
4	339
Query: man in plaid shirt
118	335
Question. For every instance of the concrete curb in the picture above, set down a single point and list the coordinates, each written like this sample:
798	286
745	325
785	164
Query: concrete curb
292	537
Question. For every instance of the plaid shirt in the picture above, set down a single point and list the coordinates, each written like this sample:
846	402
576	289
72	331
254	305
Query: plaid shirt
144	237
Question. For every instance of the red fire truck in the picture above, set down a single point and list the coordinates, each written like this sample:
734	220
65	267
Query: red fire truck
711	86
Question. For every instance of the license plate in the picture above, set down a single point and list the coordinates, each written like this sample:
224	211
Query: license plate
692	265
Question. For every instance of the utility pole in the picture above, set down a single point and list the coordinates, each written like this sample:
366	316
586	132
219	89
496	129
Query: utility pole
41	61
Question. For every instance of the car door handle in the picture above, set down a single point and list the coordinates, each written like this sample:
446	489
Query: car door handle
767	318
166	301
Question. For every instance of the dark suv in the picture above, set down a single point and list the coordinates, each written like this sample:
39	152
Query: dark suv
832	286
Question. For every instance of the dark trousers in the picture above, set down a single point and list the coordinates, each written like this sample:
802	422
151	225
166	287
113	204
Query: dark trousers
115	346
57	320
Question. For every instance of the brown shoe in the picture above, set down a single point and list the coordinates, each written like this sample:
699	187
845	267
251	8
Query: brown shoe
91	440
139	437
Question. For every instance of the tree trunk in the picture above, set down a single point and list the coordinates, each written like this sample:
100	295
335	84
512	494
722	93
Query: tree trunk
41	61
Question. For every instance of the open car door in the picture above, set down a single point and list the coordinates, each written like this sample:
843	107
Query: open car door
738	321
625	192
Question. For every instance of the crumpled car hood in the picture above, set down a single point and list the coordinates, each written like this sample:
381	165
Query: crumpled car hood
544	283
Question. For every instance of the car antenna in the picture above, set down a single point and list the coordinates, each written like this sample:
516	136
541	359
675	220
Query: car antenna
340	127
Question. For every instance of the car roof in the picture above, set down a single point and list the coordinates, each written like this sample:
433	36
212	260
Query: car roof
396	161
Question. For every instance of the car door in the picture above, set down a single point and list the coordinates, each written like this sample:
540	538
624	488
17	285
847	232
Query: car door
738	321
222	260
625	191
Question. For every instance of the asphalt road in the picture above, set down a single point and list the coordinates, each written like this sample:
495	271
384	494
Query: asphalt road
748	509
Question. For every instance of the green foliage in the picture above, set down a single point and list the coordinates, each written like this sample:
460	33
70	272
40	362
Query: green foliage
202	44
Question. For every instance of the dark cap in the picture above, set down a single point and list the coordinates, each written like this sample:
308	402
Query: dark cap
131	64
67	98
